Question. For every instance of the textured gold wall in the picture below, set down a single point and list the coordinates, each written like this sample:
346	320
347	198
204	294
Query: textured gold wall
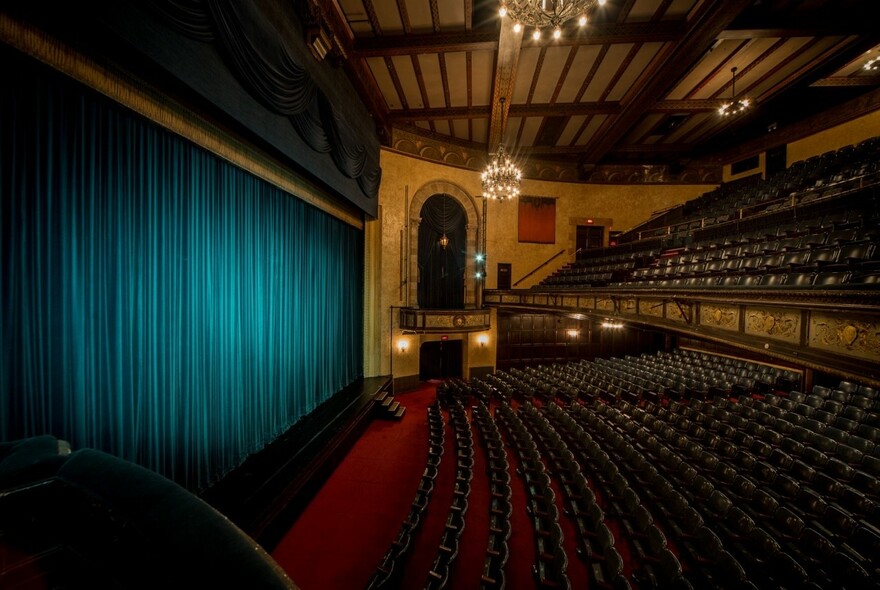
837	137
622	206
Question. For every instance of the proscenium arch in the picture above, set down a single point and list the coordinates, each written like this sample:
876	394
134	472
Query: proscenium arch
469	204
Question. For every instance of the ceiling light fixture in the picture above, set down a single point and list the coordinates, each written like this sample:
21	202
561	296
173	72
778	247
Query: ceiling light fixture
501	178
873	65
547	14
737	105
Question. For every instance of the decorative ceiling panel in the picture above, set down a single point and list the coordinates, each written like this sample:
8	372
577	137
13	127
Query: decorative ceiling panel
419	15
429	64
581	65
403	67
526	72
451	14
481	130
642	81
571	130
383	80
643	10
456	75
590	129
679	9
482	63
607	72
634	69
529	131
554	61
387	17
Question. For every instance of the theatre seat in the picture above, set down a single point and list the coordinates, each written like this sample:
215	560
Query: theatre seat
134	527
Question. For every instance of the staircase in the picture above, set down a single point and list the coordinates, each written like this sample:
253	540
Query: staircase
387	407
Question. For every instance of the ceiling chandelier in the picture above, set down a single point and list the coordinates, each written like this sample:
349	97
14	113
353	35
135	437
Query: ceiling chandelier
737	105
501	178
546	14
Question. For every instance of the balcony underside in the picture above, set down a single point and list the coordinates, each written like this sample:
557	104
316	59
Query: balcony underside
836	331
436	321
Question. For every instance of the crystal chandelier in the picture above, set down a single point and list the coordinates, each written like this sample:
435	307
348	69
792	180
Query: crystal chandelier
736	105
501	178
546	14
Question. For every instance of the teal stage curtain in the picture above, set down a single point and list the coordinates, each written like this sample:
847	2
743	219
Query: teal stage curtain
159	304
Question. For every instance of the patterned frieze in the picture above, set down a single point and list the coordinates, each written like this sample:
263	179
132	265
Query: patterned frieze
845	335
779	324
724	317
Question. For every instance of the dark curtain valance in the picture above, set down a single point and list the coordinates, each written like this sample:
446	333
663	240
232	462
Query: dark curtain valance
189	17
441	270
260	60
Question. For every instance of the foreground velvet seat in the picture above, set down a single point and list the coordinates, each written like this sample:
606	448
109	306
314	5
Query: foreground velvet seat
94	520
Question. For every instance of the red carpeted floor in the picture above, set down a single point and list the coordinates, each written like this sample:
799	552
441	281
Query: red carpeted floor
342	535
340	538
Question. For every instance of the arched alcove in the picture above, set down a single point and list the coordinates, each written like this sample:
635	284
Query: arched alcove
442	253
472	224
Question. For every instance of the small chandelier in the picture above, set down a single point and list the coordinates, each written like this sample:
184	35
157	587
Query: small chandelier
501	178
873	65
546	14
737	105
444	239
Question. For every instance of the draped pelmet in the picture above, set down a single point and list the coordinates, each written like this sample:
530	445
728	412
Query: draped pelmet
262	62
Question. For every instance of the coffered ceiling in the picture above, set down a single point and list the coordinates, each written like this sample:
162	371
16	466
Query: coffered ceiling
639	86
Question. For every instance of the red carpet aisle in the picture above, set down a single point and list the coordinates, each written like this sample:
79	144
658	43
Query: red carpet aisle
342	535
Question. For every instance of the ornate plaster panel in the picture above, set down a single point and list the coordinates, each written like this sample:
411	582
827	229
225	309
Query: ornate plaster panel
725	317
773	323
853	337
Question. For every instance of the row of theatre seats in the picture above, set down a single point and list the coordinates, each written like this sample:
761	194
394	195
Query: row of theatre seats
760	487
823	233
387	574
820	177
500	497
827	251
679	375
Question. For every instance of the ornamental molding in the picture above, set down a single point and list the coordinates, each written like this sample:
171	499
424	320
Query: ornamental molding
427	145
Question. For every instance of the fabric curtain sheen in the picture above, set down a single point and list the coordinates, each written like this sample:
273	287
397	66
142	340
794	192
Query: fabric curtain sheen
158	303
441	270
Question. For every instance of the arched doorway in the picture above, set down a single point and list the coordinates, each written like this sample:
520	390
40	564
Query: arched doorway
442	240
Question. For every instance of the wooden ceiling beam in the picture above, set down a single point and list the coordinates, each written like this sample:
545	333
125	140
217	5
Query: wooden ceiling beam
843	113
482	39
532	110
689	106
789	32
839	81
506	59
830	61
666	69
391	45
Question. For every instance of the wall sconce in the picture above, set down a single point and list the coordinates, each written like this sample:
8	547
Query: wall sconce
573	333
402	345
611	325
483	339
